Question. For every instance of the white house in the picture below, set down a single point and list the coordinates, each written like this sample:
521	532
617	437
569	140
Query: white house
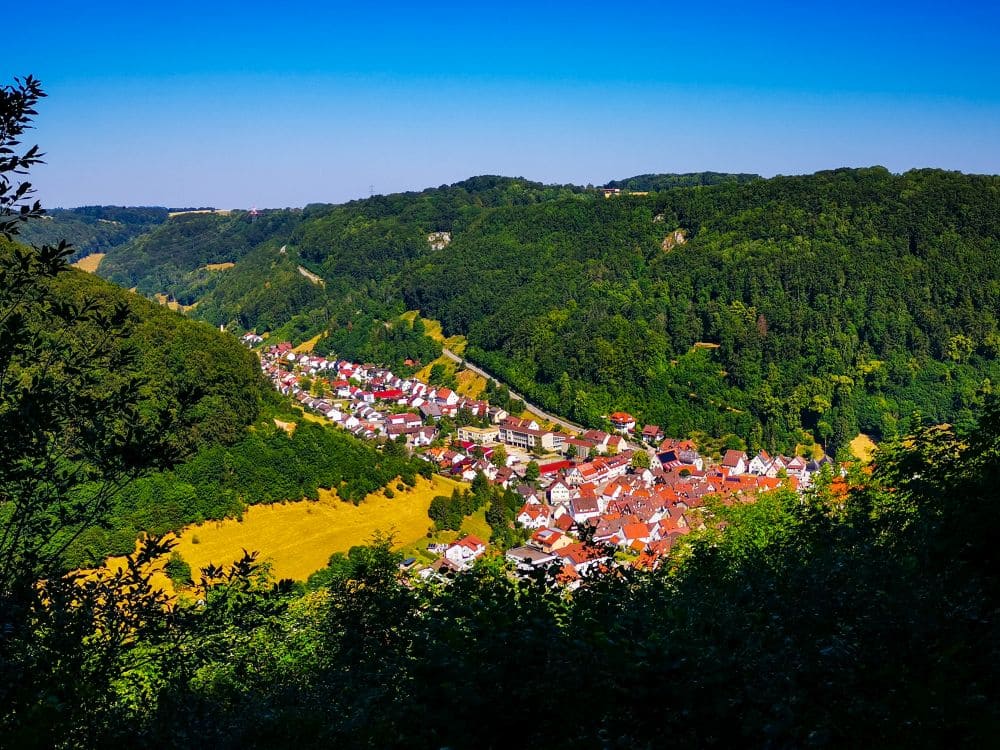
465	551
736	462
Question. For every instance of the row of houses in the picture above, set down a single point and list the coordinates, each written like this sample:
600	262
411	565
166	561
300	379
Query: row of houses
589	501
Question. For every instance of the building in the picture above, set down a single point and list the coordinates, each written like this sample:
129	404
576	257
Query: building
622	422
479	435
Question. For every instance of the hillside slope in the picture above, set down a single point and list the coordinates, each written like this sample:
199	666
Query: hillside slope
836	302
92	229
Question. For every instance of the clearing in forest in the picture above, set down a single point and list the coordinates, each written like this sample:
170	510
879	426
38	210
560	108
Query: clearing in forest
89	263
862	447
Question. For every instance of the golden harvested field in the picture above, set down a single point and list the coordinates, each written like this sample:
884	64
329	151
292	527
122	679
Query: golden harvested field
456	343
90	263
424	373
218	266
159	578
172	304
470	384
862	447
307	346
298	538
219	211
312	417
433	329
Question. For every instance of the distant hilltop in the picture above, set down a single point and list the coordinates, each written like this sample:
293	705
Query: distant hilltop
655	182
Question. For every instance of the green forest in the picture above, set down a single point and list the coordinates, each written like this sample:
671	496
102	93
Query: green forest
92	229
860	613
764	312
197	441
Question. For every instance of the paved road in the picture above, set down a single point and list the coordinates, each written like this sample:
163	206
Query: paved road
513	394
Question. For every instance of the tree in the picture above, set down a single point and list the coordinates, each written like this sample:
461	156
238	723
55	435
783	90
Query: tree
17	107
531	471
178	570
499	457
68	384
72	436
640	460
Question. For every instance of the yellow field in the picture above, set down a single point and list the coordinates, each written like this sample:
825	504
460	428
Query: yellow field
470	384
307	346
543	423
862	447
90	263
158	579
433	329
218	266
425	372
163	299
313	417
298	538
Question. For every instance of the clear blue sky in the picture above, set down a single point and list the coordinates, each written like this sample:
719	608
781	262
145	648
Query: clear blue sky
274	104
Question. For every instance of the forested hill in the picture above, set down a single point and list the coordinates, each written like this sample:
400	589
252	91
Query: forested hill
771	311
643	182
92	229
198	387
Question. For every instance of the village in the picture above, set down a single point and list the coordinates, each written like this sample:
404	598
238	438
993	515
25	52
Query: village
591	499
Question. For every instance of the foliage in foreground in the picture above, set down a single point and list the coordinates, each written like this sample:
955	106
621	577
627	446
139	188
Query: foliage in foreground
835	621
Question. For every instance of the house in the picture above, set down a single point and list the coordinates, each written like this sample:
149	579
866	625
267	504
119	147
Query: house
584	557
622	422
550	540
525	424
504	476
465	551
639	532
479	435
598	439
390	394
405	419
796	467
527	558
584	508
497	415
736	462
762	465
425	436
582	448
534	515
652	434
445	396
558	492
431	410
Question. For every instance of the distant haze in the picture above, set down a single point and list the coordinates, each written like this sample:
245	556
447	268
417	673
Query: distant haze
233	105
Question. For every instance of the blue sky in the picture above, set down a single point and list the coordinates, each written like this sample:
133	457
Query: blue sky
273	104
